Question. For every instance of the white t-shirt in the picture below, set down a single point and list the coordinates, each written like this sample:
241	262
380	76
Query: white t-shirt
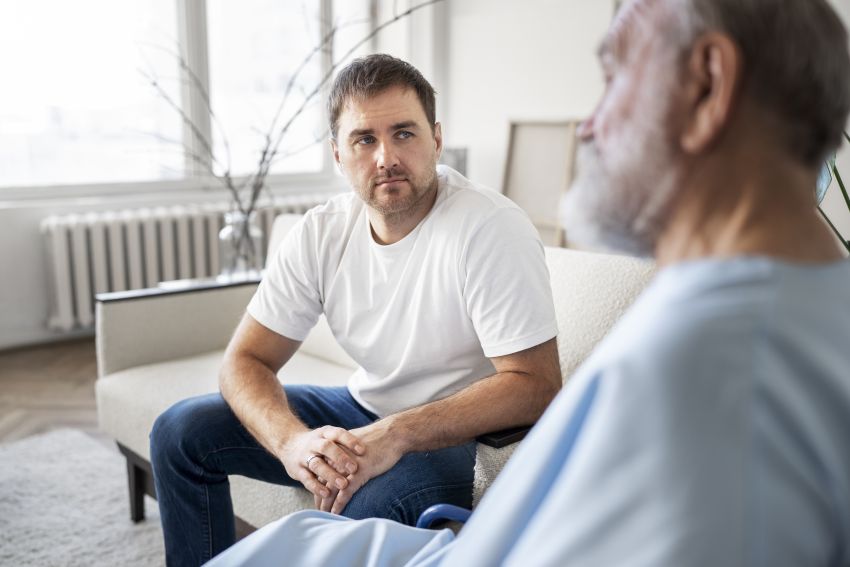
420	316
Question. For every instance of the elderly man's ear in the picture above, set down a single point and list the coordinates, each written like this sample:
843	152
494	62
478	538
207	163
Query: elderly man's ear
712	83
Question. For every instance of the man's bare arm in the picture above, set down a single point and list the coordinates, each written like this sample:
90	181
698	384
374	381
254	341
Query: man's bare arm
517	394
248	383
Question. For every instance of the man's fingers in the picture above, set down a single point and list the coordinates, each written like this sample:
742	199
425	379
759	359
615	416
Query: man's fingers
345	438
323	470
334	453
342	499
327	504
313	485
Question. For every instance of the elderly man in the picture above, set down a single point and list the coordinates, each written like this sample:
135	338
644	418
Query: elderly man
712	426
437	288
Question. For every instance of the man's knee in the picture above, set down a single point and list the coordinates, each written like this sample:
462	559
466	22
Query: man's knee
417	482
179	428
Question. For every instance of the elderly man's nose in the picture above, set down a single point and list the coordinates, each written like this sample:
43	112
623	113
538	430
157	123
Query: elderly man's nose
585	129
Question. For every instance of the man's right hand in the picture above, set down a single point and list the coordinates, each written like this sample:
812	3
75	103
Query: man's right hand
332	454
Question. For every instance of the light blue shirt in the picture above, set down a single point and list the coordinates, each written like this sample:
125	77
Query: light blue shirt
711	427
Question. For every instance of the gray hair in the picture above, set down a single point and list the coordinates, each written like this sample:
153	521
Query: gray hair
796	63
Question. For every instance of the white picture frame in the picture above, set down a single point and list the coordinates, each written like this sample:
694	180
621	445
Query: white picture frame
539	168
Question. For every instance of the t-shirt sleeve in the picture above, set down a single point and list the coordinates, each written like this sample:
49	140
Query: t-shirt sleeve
288	300
506	288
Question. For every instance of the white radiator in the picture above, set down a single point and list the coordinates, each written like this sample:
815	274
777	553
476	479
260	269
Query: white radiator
96	252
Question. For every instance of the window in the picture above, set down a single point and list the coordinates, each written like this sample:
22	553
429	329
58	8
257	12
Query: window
254	49
73	107
77	108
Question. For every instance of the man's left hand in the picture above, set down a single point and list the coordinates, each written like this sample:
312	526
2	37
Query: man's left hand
383	451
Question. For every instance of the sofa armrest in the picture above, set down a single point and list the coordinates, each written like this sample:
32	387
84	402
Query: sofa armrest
505	437
158	324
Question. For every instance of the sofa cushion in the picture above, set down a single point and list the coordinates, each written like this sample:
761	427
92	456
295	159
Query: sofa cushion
591	291
128	402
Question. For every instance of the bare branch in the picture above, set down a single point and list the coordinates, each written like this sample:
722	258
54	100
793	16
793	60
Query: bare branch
183	116
255	183
290	84
195	82
317	140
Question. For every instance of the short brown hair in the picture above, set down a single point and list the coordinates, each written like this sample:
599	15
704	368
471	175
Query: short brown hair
370	75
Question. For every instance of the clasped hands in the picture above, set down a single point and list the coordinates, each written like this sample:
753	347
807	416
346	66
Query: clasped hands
340	461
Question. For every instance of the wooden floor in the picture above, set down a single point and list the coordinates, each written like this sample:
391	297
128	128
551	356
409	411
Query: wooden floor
48	387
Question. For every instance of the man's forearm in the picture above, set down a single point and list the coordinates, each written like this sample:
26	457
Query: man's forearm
506	399
254	394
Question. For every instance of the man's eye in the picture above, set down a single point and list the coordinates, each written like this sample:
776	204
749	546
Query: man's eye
366	140
404	134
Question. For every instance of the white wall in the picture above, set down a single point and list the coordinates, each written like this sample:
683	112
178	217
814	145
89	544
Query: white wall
517	60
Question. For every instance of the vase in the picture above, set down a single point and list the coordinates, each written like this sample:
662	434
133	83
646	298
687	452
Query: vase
240	245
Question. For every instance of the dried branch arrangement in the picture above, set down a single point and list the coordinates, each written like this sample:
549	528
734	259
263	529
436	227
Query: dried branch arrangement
246	193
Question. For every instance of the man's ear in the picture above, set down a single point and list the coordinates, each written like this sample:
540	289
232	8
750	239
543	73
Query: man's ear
712	83
335	150
438	137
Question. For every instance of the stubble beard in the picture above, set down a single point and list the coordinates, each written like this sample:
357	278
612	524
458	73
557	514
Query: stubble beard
399	209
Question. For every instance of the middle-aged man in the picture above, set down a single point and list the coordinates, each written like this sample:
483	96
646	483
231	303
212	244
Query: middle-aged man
712	426
436	287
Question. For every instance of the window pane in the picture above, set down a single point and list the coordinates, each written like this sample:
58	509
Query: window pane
74	107
254	48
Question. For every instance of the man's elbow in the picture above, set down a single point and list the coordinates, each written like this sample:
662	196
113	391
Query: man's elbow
229	372
552	386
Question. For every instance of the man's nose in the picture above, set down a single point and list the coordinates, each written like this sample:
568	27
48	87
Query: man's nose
585	129
387	157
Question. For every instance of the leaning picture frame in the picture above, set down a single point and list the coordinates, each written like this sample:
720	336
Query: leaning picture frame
539	168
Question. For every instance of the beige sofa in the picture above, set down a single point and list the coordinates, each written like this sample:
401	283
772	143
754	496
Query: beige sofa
158	346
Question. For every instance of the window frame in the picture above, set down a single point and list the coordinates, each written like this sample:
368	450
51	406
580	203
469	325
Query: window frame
193	39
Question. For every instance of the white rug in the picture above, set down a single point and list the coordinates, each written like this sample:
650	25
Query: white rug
64	502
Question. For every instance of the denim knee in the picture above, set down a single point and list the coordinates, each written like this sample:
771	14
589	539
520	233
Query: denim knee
172	431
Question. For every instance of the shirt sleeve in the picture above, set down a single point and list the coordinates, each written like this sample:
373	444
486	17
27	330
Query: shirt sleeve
636	486
506	287
288	299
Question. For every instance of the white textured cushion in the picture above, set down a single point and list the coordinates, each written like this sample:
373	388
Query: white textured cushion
591	292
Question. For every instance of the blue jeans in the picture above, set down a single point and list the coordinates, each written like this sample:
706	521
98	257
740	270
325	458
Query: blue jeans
198	442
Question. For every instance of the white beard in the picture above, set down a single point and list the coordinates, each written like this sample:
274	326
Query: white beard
622	208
